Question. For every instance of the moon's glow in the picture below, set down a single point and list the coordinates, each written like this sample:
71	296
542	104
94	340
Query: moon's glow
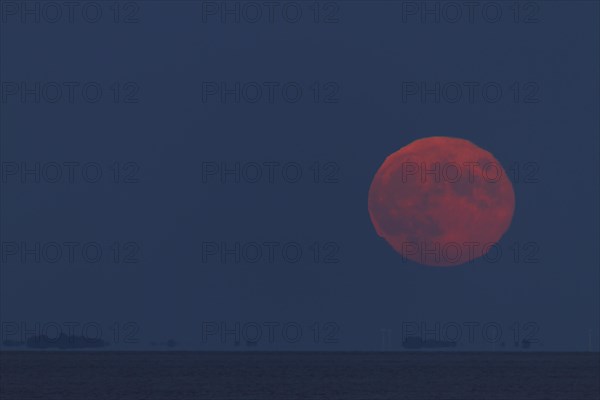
441	201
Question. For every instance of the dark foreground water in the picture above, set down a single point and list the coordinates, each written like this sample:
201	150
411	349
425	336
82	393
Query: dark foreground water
281	376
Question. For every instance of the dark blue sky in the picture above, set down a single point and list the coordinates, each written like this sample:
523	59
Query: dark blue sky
356	68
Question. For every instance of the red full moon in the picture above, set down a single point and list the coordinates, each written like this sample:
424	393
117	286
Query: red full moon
442	201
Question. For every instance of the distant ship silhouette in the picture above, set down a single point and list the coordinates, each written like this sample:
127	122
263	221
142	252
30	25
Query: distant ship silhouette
12	343
64	342
525	344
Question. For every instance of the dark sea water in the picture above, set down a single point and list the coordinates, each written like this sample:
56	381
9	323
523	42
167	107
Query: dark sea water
181	375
